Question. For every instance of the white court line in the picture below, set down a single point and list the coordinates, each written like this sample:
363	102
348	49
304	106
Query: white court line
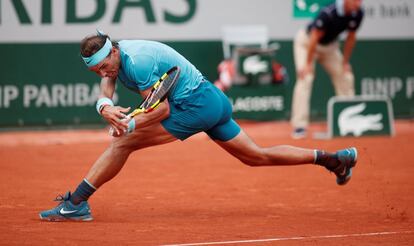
370	234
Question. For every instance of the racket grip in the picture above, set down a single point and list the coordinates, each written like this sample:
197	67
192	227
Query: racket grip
131	126
111	131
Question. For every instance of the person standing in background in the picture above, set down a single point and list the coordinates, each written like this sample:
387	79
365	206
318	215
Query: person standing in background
320	42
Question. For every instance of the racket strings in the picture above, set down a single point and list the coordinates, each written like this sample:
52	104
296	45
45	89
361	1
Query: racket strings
161	91
162	88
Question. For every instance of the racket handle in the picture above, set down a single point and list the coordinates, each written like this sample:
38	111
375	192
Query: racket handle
131	126
153	107
135	112
111	131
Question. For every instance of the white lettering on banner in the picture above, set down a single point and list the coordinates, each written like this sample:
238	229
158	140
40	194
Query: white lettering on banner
96	91
257	103
82	95
59	92
410	87
29	93
59	95
70	95
8	93
43	98
381	86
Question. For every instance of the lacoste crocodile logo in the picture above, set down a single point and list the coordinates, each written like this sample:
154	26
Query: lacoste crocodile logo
254	65
351	121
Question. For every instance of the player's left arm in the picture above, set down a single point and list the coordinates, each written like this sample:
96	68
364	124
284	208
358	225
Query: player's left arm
144	119
161	112
112	114
348	48
148	79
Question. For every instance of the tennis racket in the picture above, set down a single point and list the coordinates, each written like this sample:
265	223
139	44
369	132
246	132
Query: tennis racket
159	93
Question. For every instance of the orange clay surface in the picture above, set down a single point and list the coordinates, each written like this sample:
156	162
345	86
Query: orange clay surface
194	192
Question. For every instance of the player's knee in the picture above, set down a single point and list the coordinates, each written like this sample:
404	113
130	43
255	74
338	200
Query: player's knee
121	147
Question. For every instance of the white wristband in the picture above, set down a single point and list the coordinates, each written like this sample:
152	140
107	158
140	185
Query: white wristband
103	102
131	126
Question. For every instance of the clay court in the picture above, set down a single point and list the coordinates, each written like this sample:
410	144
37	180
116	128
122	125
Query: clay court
194	193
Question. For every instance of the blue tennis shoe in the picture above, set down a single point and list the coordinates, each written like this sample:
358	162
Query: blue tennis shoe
347	160
66	210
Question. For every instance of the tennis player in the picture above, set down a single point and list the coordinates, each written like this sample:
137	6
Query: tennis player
195	105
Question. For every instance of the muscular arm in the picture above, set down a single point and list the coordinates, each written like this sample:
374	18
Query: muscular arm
112	114
107	87
157	115
161	112
349	46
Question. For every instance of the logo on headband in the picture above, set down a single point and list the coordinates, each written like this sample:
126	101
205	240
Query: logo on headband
99	56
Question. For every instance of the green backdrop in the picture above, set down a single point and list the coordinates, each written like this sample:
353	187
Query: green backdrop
54	87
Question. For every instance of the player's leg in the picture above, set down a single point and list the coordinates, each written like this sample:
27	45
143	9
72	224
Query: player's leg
332	60
303	87
115	156
228	134
75	206
234	140
246	150
243	148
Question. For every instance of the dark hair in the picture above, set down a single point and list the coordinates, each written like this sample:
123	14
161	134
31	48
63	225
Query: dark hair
91	44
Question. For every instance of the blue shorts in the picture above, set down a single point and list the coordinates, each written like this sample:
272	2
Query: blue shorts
207	110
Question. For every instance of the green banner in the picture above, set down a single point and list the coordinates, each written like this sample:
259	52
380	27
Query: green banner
47	84
258	102
360	116
308	8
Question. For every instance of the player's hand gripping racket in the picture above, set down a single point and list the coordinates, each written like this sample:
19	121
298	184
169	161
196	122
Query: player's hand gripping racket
159	93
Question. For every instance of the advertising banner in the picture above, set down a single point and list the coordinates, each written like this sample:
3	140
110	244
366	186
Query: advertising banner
44	82
70	20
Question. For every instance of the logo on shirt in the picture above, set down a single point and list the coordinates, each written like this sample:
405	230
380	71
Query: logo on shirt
352	24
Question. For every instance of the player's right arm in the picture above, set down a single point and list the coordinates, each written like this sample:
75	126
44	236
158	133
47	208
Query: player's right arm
112	114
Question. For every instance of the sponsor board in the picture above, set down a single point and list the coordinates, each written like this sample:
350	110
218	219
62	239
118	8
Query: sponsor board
258	102
360	116
173	20
32	96
37	34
